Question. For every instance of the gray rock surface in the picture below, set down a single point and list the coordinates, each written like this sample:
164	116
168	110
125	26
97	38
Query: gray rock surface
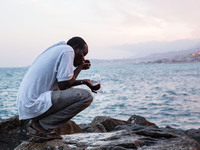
106	133
13	132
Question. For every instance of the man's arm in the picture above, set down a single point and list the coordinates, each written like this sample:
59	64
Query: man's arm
73	82
87	82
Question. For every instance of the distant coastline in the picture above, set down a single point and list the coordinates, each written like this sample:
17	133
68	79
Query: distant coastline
188	56
193	57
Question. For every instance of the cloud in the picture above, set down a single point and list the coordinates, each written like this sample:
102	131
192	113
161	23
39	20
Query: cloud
36	24
183	13
134	21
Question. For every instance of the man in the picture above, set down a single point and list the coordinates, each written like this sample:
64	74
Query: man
45	95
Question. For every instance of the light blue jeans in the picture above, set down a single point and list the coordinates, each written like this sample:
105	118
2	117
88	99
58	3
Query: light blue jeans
65	105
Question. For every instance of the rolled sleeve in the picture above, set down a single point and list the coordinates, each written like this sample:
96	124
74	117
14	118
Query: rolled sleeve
65	69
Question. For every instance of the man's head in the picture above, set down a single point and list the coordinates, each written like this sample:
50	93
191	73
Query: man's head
80	48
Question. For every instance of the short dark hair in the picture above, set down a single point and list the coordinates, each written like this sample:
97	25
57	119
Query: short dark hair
76	42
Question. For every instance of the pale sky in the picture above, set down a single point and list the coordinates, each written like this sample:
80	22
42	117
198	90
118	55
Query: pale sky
111	28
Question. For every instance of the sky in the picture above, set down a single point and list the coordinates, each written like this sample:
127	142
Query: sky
113	29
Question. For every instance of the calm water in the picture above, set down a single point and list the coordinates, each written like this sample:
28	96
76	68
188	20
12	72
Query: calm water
166	94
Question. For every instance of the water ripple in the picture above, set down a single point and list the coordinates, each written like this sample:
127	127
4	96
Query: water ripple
166	94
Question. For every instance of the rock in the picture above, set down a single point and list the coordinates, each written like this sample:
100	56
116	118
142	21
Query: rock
91	127
179	143
139	134
138	120
108	122
121	140
101	124
194	134
70	128
48	145
13	132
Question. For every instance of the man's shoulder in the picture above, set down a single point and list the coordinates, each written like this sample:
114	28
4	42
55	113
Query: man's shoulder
63	47
60	45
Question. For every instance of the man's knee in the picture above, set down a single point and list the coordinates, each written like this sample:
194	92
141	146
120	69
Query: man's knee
88	98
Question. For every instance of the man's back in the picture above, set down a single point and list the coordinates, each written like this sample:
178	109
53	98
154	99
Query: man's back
55	63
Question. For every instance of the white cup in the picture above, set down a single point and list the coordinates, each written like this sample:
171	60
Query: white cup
95	80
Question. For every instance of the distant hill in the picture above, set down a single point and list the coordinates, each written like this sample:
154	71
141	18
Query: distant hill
177	57
168	57
192	57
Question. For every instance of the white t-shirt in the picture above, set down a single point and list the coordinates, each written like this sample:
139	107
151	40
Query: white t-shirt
53	65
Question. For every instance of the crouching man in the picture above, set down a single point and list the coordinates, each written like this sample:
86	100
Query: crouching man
46	96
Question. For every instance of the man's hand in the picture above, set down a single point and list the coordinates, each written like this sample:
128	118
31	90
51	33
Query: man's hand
93	88
86	64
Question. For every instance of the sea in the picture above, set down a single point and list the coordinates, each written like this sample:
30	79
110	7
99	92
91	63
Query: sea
165	94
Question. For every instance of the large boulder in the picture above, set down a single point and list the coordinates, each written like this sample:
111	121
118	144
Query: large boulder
91	127
118	140
69	128
136	133
102	124
108	122
13	132
138	120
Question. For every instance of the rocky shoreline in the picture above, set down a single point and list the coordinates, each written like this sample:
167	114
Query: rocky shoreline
103	133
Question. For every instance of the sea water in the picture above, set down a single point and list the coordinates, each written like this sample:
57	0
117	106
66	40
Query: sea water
166	94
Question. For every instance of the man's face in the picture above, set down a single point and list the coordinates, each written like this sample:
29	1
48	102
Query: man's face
80	55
